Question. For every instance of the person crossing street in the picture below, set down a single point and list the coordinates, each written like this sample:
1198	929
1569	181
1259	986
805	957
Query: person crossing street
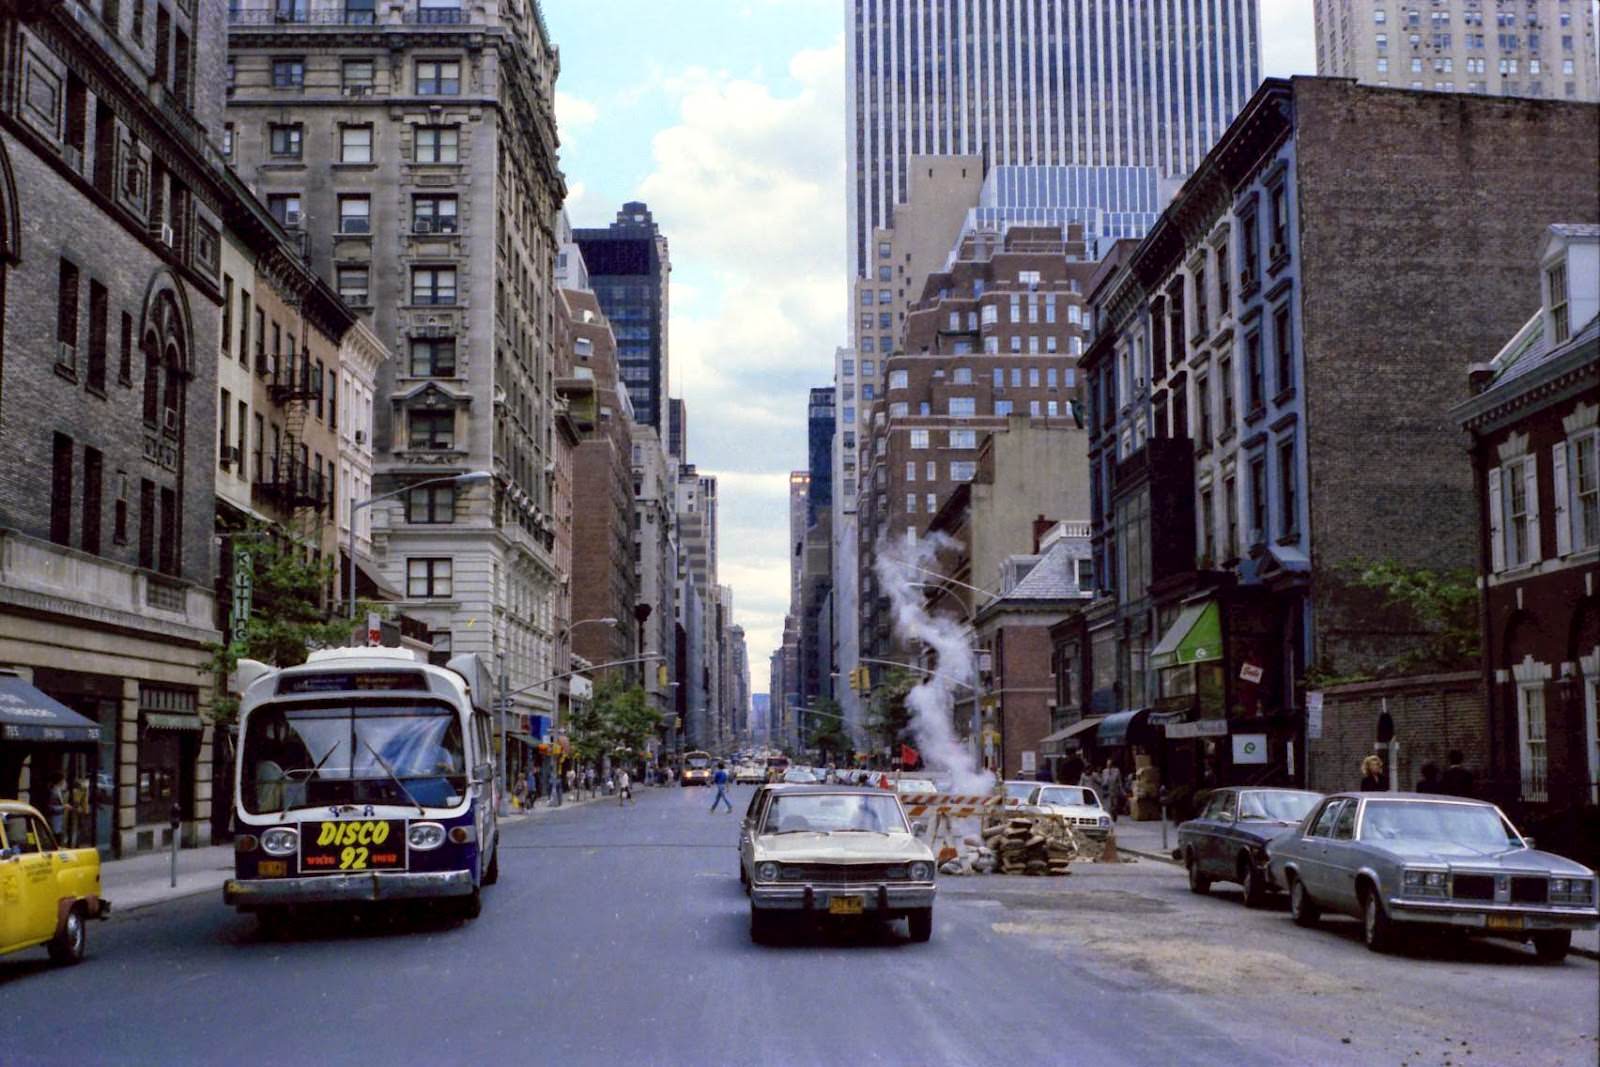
721	781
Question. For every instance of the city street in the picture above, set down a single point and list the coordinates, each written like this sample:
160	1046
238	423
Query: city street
622	936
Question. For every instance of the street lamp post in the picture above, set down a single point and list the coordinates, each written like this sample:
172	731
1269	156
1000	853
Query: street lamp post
357	505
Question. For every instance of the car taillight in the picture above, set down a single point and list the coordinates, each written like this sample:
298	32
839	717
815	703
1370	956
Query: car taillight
460	835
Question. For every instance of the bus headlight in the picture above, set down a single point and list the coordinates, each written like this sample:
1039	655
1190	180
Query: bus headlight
424	836
922	871
767	872
280	841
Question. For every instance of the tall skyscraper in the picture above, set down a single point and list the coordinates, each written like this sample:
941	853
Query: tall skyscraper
1054	82
820	429
628	270
799	494
1527	48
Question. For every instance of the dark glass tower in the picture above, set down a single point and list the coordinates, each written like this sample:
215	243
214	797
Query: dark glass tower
628	271
819	423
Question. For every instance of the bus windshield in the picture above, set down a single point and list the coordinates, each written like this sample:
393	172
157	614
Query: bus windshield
337	754
698	762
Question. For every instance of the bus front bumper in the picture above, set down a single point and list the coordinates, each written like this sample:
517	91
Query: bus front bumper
335	888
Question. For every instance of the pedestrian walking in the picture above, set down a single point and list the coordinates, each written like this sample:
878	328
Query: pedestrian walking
1457	780
56	804
1372	780
624	788
588	780
572	781
1111	786
1072	772
720	778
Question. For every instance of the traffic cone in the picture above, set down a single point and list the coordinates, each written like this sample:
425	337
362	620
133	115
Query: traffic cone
1109	853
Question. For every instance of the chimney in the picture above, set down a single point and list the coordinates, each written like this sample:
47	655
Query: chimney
1479	375
1041	526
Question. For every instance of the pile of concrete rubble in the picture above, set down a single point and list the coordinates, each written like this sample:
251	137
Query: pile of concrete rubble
1037	845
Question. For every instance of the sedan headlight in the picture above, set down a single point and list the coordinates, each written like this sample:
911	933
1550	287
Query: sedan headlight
1424	883
280	841
1105	820
424	836
766	872
922	871
1571	890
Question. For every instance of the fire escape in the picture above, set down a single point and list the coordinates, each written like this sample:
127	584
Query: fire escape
290	480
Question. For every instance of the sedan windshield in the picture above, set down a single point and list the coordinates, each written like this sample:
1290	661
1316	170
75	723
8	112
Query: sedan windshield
1069	796
313	756
833	813
1276	807
1476	825
1020	790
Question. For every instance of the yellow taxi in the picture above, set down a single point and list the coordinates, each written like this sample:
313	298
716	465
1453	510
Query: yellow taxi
47	893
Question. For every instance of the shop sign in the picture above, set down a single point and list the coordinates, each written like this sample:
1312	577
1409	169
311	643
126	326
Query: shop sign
1250	672
1030	761
1249	748
1204	728
1314	716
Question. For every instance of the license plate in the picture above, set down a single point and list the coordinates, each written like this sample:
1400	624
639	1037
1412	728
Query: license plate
1504	922
844	906
353	845
272	868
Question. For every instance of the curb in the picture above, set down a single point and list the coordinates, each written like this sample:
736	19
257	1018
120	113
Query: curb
1147	855
119	910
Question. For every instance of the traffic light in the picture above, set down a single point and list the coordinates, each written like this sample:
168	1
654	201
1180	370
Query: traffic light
661	676
861	679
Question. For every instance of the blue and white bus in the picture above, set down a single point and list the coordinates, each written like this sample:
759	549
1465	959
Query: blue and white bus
363	775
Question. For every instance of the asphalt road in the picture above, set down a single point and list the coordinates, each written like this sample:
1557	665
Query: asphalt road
621	937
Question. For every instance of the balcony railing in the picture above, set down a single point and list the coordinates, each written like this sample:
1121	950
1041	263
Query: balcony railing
293	484
293	380
435	16
336	14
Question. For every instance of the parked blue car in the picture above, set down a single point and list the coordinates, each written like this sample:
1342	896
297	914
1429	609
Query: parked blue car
1227	842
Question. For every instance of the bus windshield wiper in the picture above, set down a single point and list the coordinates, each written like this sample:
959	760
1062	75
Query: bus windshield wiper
285	812
395	778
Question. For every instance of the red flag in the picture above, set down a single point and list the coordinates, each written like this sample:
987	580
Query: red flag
908	755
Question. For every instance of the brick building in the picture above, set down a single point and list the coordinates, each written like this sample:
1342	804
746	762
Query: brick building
995	334
604	585
1261	348
1534	421
112	209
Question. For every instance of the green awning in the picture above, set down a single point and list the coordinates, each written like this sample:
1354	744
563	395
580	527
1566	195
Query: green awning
1195	637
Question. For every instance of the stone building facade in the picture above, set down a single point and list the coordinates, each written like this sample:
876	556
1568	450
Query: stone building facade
432	208
656	563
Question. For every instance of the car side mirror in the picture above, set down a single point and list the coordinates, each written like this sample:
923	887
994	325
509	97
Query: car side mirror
919	828
1529	842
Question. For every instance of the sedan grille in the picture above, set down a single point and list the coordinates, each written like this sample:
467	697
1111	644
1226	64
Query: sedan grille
1473	887
1530	890
842	873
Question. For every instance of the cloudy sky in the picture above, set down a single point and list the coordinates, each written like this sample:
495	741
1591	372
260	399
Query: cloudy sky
728	118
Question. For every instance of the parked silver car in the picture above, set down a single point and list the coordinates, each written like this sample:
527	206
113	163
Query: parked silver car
1393	859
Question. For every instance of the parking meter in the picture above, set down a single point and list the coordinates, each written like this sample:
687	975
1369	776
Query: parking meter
175	820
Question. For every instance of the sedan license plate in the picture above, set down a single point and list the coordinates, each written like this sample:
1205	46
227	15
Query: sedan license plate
844	906
272	868
1504	922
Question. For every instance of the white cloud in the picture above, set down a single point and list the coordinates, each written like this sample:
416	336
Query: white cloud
1288	38
747	186
575	194
574	112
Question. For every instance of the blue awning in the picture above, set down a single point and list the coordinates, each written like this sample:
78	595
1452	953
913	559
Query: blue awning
27	714
1114	729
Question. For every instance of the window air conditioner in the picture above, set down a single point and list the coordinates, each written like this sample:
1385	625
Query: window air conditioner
74	157
361	437
170	421
67	355
165	234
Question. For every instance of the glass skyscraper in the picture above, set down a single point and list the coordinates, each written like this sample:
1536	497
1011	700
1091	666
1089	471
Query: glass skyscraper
628	271
1085	83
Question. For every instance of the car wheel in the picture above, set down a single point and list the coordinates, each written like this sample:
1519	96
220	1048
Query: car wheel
1302	909
763	926
69	945
920	922
1552	946
1377	930
1254	883
1198	883
492	874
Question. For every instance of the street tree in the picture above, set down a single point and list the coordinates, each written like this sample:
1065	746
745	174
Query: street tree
827	734
889	716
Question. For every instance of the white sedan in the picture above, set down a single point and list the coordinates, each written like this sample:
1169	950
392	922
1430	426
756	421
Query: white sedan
1078	805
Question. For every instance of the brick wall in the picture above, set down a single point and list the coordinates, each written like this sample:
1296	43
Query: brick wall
1432	714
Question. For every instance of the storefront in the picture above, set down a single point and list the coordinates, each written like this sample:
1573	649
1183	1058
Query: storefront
43	742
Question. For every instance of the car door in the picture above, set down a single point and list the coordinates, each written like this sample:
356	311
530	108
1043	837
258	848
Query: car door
1342	858
1219	846
1313	849
747	830
1205	830
28	884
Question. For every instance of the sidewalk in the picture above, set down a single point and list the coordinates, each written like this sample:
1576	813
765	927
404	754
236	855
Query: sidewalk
144	880
1143	839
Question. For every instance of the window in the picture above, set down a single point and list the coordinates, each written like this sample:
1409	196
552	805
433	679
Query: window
919	438
61	489
99	311
285	141
1255	374
869	367
962	406
1208	527
1002	407
1225	388
1378	16
431	504
428	578
285	207
288	73
1531	735
356	76
1258	500
1383	65
1288	496
962	470
884	250
885	296
437	144
1201	302
1517	538
1581	472
963	438
989	315
1230	501
353	286
432	429
911	503
899	410
911	470
433	285
961	376
433	214
897	379
438	78
930	471
434	357
1202	403
67	314
355	214
125	357
1556	276
1283	337
868	391
1016	377
355	144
